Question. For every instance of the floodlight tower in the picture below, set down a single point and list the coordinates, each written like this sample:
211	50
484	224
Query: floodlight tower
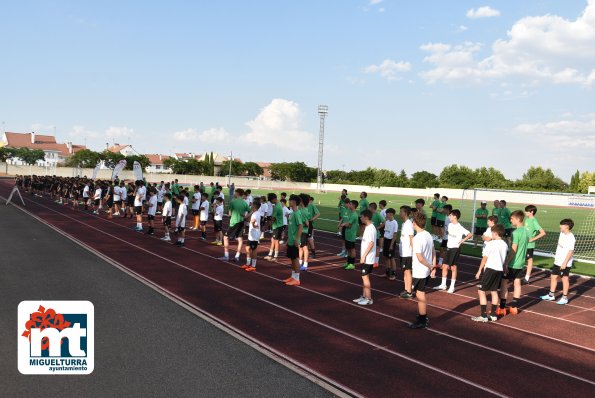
322	112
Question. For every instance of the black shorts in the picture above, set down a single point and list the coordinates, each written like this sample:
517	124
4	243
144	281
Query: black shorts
195	212
515	273
109	203
159	204
480	230
451	257
419	284
167	221
530	253
310	229
292	252
381	231
253	244
235	231
138	210
203	223
349	245
444	243
304	240
490	281
508	232
277	233
556	270
117	202
150	217
130	201
180	229
343	233
367	269
96	202
440	223
218	225
406	263
433	221
386	250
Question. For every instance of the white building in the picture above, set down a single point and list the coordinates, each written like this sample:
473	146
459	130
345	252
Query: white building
55	153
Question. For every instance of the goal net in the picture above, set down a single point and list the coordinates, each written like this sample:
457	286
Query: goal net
552	207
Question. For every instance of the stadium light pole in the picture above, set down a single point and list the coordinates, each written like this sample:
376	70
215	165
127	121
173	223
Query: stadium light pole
322	112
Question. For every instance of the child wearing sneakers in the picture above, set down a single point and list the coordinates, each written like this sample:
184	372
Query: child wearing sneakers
346	212
406	250
294	237
367	256
457	235
382	211
218	221
204	215
389	237
424	263
562	261
166	216
434	219
253	237
535	233
351	228
277	217
181	219
152	209
286	213
446	210
515	263
378	222
492	266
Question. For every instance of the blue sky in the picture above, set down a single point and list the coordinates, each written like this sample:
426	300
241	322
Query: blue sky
409	85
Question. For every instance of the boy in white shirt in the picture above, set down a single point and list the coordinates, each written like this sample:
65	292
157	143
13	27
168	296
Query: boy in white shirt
391	228
152	209
286	213
562	262
166	215
218	221
492	266
196	205
263	215
86	196
487	235
117	199
181	219
455	239
406	250
97	199
382	212
204	215
367	256
139	197
424	263
253	237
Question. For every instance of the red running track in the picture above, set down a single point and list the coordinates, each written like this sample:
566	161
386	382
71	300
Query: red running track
365	351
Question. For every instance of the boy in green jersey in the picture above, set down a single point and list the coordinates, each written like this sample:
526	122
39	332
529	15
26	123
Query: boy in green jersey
481	222
351	227
504	219
514	267
434	207
441	218
238	209
294	237
277	219
344	217
314	214
363	205
341	206
304	251
535	233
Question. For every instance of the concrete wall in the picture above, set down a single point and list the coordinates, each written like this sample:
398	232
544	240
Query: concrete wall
455	195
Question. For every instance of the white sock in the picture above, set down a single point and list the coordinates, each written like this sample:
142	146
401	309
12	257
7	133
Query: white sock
376	259
139	225
295	275
182	240
248	259
443	282
440	260
276	253
306	264
452	283
238	255
226	253
254	263
527	278
271	252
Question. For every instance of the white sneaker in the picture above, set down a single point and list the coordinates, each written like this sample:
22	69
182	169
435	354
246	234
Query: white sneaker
547	297
562	301
365	301
357	300
480	319
492	318
451	289
439	287
281	242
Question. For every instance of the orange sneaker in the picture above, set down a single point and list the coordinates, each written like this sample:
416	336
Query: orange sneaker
513	310
250	269
287	280
293	282
375	265
500	311
245	266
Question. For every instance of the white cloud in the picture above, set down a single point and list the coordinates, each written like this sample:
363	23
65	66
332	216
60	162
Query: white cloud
462	28
113	133
543	48
279	124
374	2
82	132
578	135
211	135
482	12
389	69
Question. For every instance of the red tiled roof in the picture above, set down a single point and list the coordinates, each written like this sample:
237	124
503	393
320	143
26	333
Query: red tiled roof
117	148
154	158
43	142
264	165
186	156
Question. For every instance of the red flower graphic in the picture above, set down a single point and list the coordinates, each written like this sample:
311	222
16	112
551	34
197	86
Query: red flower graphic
45	319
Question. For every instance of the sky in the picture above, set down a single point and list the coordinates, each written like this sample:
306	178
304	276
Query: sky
409	85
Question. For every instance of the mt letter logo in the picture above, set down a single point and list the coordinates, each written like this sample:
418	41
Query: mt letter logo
56	337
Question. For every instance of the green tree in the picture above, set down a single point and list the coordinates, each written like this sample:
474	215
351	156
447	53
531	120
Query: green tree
489	178
586	180
403	180
539	179
5	155
423	179
574	180
84	158
455	176
30	156
142	159
236	168
385	178
295	171
111	159
252	169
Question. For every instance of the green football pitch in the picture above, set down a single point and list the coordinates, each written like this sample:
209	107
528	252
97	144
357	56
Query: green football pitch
549	218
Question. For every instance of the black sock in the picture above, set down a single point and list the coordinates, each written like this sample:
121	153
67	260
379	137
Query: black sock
484	309
423	318
350	260
514	302
502	303
313	252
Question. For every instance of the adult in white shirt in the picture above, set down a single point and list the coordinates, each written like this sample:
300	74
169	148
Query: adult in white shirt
424	261
367	257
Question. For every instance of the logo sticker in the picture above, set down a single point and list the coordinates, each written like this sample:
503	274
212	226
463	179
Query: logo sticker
56	337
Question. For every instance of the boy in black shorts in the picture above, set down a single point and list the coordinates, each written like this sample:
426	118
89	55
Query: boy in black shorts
294	237
277	225
389	237
492	266
166	216
367	257
562	262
